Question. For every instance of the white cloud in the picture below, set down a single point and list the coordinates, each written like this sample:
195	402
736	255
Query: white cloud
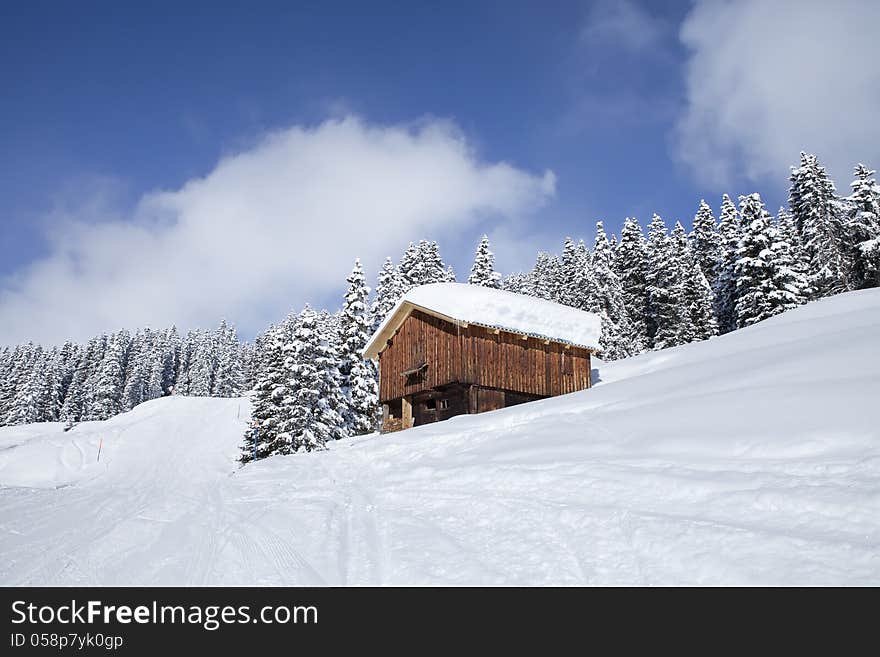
624	24
266	230
766	80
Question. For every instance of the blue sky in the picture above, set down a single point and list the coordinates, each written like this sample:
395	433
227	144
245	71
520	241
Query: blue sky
104	103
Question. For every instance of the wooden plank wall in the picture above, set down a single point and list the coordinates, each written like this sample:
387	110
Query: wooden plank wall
476	355
420	339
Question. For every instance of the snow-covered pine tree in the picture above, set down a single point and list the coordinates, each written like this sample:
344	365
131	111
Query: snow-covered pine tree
183	381
26	405
53	390
546	277
791	277
631	265
68	357
203	364
766	283
172	359
5	362
5	367
573	287
812	203
270	390
483	270
389	289
228	377
329	326
104	391
695	321
310	418
698	311
606	300
863	230
10	372
409	268
359	376
137	374
421	264
678	264
259	357
729	231
159	364
435	270
247	364
788	234
86	366
571	274
706	242
664	298
518	282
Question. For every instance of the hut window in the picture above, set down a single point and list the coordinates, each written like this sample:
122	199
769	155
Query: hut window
431	404
444	404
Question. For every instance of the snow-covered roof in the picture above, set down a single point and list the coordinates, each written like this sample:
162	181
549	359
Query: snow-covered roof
461	303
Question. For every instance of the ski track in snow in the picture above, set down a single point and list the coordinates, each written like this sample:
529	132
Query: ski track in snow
750	459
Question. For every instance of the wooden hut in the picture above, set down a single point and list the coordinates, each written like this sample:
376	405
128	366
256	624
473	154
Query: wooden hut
448	348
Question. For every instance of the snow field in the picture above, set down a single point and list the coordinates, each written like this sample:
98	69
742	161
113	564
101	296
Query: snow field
753	458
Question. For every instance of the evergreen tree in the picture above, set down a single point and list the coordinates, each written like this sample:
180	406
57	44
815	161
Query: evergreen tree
30	391
729	231
698	312
52	386
136	377
664	302
261	343
310	416
11	375
575	279
330	334
104	395
172	360
359	377
228	377
618	339
615	244
421	264
87	364
269	392
766	283
435	270
159	363
519	283
409	268
812	203
248	363
706	243
863	229
188	351
680	258
546	277
389	289
483	270
68	356
203	364
631	266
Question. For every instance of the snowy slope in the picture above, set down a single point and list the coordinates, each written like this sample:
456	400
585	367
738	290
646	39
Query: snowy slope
753	458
